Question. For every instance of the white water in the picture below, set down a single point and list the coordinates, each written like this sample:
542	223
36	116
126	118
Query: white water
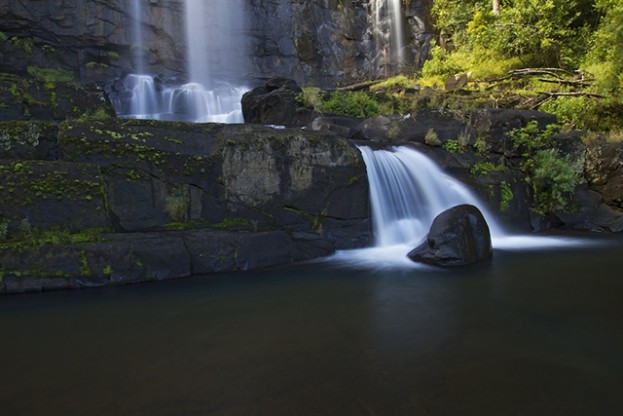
389	32
216	57
137	32
407	191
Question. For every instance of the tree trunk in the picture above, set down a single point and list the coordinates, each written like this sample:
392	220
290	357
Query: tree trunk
496	7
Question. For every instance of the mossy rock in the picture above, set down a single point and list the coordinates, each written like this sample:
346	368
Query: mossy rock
36	98
28	140
52	193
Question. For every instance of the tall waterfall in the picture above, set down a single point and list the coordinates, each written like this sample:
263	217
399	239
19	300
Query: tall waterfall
407	192
137	33
216	55
389	33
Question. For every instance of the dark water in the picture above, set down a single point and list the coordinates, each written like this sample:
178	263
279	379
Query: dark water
531	333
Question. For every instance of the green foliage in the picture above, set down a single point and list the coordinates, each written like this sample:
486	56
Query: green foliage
548	32
605	59
553	179
355	104
441	65
485	168
310	97
399	82
431	138
454	146
551	176
506	196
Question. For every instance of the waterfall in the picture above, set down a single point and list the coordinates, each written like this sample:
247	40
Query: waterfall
407	192
137	32
389	34
216	55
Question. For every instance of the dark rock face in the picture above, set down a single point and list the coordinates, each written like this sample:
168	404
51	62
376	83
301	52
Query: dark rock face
493	125
29	98
248	196
144	257
458	237
319	42
276	104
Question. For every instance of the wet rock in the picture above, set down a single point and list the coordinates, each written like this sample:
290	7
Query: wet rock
459	236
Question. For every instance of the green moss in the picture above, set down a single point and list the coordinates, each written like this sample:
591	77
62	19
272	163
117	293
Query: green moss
85	268
51	236
484	168
50	75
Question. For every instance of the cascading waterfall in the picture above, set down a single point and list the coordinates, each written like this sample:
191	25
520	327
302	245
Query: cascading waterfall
389	32
407	192
216	58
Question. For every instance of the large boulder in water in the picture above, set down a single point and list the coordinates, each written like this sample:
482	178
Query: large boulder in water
459	236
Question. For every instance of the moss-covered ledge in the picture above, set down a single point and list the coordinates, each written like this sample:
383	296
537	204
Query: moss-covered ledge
116	259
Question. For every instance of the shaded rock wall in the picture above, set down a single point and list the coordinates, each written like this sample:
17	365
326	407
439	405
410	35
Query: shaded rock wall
168	200
315	42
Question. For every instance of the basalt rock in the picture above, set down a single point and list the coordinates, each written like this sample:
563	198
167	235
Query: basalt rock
459	236
320	42
143	257
276	103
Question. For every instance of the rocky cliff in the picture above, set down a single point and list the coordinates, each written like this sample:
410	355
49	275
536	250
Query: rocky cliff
249	197
319	42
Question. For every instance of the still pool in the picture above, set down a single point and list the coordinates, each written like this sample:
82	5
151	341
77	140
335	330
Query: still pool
533	332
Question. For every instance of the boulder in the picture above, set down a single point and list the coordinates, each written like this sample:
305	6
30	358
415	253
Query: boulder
458	236
275	104
414	128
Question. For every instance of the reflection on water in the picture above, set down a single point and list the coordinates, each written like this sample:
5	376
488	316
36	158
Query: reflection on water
533	332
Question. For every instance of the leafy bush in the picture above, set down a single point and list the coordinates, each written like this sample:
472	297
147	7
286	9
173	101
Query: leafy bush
553	179
551	176
310	97
355	104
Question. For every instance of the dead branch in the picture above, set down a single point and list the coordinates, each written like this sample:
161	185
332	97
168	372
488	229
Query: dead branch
571	94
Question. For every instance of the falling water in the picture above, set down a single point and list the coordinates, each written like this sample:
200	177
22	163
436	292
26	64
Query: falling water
137	32
216	36
407	192
216	55
389	32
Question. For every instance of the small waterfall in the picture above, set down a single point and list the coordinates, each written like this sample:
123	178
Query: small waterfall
389	33
407	192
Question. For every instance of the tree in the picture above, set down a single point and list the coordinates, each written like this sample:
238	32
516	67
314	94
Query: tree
496	7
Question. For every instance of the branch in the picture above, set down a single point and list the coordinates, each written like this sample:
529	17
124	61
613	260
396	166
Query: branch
566	82
572	94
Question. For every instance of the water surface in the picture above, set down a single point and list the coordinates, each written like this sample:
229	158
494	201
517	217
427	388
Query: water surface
534	332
